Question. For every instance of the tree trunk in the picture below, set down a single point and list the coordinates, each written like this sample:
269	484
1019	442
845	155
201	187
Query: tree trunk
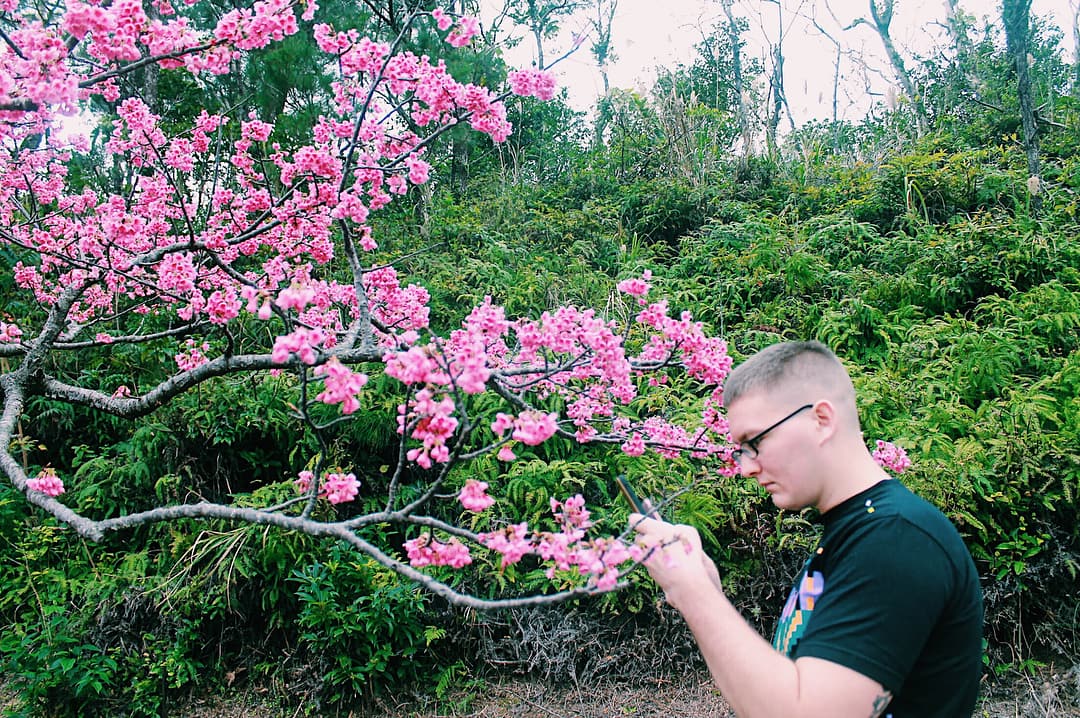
1017	17
882	17
1074	5
835	115
737	86
958	30
776	93
601	50
777	97
536	24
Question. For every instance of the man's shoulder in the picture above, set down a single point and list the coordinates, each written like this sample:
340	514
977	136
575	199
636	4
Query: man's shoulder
891	516
890	499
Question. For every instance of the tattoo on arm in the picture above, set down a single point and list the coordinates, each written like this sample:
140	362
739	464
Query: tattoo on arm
880	704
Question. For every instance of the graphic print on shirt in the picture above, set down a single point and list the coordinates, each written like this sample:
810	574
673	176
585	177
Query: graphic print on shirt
797	610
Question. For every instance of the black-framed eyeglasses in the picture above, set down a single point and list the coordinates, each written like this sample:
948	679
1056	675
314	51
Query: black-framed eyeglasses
749	449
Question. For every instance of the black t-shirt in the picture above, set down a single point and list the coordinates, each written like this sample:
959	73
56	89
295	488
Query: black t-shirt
891	592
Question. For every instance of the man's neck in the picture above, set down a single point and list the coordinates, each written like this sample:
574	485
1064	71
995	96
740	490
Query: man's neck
850	477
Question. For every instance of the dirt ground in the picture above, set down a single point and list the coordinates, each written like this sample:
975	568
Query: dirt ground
1054	694
516	699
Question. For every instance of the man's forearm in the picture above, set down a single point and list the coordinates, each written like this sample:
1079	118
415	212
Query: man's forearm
754	678
758	681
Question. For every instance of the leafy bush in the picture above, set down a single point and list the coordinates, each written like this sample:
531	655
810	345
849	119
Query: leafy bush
362	630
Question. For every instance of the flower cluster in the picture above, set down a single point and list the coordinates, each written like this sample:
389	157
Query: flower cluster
302	342
341	385
193	356
47	482
426	550
432	423
336	487
597	560
529	427
891	457
636	287
474	496
532	83
9	332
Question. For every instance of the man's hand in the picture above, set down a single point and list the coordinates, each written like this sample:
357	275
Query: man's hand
676	560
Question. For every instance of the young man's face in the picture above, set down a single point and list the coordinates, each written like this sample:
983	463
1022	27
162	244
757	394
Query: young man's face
780	460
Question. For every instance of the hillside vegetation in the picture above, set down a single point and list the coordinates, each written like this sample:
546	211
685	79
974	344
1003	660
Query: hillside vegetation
947	280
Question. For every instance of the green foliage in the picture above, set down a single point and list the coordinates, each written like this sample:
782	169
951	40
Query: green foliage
362	627
919	261
55	672
663	211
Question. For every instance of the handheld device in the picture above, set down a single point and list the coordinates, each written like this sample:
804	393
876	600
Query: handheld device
632	498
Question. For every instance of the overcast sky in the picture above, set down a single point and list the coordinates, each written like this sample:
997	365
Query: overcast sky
644	38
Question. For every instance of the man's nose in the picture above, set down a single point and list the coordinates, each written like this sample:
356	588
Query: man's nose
748	466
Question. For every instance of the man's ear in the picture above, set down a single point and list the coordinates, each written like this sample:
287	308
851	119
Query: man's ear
826	419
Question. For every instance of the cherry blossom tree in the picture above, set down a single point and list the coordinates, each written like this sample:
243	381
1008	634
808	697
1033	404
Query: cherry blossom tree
228	255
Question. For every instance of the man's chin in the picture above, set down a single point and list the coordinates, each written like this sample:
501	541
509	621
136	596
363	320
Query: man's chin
779	499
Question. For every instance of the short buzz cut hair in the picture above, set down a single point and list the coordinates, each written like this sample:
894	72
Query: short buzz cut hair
794	367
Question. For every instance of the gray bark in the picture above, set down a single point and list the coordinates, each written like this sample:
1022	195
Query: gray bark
1017	17
738	85
882	19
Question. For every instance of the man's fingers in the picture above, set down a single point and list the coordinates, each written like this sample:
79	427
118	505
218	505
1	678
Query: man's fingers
648	526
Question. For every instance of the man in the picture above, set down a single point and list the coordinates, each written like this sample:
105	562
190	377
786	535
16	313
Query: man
886	617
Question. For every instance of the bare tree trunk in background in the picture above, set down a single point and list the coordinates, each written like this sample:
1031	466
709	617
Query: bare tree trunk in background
882	12
958	25
966	80
538	33
1074	5
1017	17
834	115
737	87
777	96
602	52
772	121
541	18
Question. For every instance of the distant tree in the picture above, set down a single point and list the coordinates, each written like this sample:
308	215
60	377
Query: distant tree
542	19
777	95
1074	6
738	83
1016	15
958	24
881	17
601	20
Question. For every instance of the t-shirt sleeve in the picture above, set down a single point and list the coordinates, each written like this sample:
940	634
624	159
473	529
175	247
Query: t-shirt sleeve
885	589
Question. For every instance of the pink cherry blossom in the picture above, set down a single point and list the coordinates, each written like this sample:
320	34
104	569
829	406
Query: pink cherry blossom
336	487
891	457
193	355
9	332
636	287
535	427
634	446
463	32
425	550
341	385
47	482
433	424
513	542
302	342
474	496
340	488
303	481
442	20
